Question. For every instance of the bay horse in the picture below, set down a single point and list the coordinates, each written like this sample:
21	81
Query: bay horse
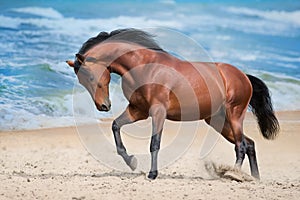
160	85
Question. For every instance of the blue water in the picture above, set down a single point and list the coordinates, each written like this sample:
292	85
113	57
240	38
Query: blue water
36	37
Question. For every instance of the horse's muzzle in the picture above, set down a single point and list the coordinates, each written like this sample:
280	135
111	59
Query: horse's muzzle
104	106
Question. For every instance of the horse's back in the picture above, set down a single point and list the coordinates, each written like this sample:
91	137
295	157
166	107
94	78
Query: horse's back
200	92
214	86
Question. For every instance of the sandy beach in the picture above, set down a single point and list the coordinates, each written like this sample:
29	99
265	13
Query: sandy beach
53	164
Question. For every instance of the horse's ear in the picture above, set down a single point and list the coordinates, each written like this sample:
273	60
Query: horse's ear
70	63
80	58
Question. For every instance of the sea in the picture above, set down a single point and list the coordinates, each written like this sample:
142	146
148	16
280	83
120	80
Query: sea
260	37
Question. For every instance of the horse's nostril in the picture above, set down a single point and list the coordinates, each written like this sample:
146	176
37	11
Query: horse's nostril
104	107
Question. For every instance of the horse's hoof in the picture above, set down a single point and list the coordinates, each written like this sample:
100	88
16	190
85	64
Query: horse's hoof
256	176
152	175
132	163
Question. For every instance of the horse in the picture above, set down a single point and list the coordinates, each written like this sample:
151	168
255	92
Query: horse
162	86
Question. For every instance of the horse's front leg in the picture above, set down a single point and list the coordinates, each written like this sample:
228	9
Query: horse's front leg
129	116
158	114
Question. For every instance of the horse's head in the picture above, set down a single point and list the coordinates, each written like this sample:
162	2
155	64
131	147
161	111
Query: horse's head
94	75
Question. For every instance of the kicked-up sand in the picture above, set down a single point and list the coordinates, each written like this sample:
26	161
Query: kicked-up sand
54	164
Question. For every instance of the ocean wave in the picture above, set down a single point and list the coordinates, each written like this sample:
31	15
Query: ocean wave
58	110
83	105
40	11
62	68
275	57
9	22
36	85
23	120
286	17
168	2
273	23
284	65
33	113
285	90
89	26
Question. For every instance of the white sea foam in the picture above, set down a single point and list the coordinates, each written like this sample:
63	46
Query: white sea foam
40	11
286	96
223	37
12	118
9	22
168	2
286	58
88	26
285	65
291	17
285	90
34	113
23	120
83	105
62	68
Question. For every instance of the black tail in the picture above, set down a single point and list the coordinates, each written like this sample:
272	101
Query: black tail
261	106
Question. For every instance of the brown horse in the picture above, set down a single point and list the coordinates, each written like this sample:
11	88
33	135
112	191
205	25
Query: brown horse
162	86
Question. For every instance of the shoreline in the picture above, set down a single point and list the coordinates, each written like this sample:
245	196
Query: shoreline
286	115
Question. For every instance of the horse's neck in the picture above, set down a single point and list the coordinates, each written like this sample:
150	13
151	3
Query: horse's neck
127	57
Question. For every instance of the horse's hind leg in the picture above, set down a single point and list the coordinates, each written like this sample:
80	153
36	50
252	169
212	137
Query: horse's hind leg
129	116
252	158
243	144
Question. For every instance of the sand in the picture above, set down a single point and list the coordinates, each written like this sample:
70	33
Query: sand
54	164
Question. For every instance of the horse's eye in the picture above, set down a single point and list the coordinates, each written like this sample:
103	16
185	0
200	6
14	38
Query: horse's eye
92	78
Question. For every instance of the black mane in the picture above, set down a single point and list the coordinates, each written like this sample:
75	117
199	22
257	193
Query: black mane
127	35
